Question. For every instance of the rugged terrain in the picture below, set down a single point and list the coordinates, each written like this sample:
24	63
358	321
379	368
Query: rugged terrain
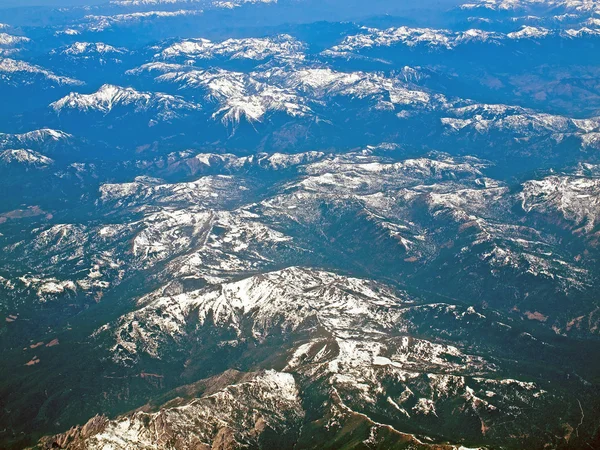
235	224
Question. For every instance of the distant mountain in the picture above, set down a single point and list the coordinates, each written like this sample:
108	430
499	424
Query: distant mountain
36	138
111	98
22	73
24	157
279	47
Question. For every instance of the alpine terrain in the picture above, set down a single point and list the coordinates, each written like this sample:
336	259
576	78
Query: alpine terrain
300	225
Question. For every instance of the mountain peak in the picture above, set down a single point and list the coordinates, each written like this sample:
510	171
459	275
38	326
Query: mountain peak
25	157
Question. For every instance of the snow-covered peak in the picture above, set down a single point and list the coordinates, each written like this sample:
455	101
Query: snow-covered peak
228	4
238	95
581	32
264	161
282	46
158	67
110	96
500	4
31	138
528	32
358	174
151	2
551	6
412	37
340	301
283	300
25	157
476	35
208	190
237	411
16	67
325	82
489	110
9	39
373	37
96	23
90	48
67	32
593	22
370	38
575	199
482	118
291	91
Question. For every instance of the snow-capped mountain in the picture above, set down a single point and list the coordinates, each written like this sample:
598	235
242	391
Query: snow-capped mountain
458	198
9	40
574	199
484	118
110	97
98	23
88	49
143	190
372	38
359	352
581	6
323	82
36	138
556	13
150	2
283	47
206	3
22	73
238	95
241	414
298	93
519	123
24	157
